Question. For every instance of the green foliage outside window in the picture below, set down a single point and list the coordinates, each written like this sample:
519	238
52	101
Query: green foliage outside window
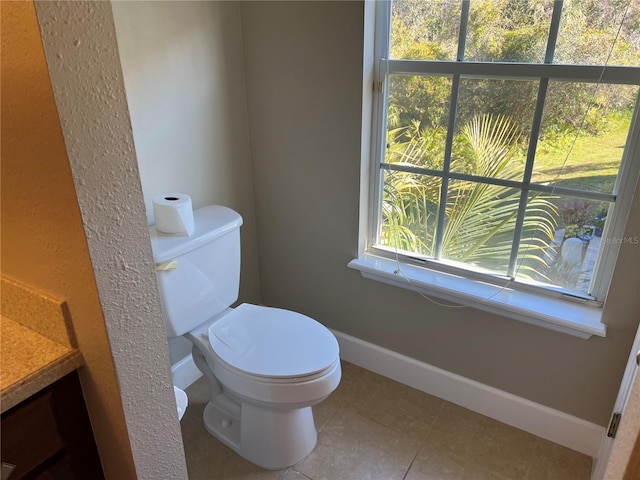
582	134
516	31
481	217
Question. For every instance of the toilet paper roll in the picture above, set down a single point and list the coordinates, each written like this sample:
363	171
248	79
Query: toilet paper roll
174	213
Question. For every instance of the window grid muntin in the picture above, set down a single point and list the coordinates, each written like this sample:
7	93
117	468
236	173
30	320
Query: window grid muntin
533	138
446	166
536	187
453	106
521	71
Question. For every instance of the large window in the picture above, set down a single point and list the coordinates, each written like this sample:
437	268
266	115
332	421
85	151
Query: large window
505	133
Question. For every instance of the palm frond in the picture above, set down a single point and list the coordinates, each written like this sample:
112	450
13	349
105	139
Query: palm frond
480	218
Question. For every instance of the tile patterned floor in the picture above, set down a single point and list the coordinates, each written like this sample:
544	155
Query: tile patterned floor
372	428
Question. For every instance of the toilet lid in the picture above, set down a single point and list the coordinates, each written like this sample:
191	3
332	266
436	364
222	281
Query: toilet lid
271	342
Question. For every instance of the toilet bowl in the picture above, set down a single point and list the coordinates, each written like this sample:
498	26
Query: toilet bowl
265	367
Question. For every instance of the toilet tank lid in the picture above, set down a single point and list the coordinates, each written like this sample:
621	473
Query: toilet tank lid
210	223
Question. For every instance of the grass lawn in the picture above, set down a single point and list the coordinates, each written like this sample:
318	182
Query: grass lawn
590	164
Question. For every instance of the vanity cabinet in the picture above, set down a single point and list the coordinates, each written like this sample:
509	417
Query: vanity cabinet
48	436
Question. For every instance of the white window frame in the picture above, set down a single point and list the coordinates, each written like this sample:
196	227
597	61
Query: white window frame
556	309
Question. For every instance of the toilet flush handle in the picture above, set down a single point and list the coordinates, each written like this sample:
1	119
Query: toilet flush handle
167	266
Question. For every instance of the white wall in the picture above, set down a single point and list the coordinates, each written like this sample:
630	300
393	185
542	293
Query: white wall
184	77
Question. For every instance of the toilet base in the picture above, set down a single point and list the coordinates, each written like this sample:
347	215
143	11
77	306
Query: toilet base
270	438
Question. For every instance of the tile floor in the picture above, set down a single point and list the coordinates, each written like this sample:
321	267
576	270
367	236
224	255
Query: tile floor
372	428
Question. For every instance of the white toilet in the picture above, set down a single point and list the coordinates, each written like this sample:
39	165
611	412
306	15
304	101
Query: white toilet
265	366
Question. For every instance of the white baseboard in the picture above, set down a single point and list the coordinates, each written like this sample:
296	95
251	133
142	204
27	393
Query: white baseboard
554	425
185	372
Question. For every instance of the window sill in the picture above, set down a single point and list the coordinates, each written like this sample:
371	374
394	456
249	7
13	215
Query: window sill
556	314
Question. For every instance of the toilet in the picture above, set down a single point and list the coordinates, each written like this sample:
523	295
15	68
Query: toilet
265	367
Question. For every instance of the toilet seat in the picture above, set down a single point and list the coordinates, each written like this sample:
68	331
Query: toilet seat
273	345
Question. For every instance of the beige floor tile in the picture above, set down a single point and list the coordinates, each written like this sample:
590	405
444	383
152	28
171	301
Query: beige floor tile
198	393
483	442
555	462
352	447
369	429
402	408
350	384
293	475
207	458
434	463
323	411
322	414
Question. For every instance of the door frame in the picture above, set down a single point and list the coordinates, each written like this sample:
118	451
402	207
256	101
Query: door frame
610	456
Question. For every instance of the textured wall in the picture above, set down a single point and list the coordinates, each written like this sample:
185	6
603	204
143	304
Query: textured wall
43	242
184	77
303	62
82	54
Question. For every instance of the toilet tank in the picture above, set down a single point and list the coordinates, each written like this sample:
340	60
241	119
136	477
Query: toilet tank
205	278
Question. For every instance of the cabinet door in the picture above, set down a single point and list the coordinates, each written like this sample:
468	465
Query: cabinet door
74	426
49	436
30	434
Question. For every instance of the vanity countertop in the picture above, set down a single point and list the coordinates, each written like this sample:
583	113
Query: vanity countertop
30	362
37	345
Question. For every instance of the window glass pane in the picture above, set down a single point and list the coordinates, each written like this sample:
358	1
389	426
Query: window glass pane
493	124
538	247
425	30
417	120
409	211
567	241
588	31
508	30
583	135
480	224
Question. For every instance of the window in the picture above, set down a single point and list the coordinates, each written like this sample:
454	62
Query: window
505	140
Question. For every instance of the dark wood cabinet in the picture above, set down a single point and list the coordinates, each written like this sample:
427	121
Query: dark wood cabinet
49	436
